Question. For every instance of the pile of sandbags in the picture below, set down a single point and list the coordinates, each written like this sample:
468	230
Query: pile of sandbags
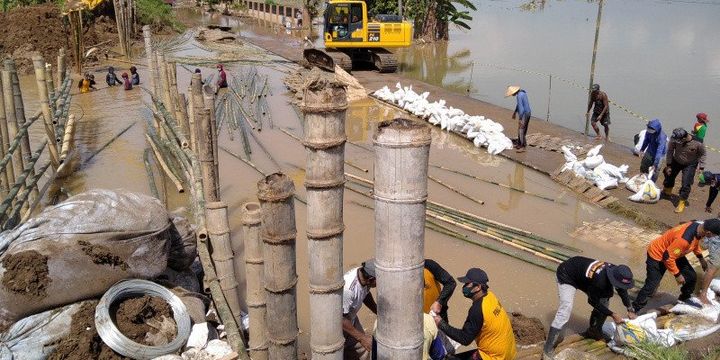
74	252
478	129
594	168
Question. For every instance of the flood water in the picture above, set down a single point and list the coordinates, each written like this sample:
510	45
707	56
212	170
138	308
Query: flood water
659	59
521	286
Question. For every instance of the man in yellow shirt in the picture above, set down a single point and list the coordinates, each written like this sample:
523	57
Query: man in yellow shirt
487	322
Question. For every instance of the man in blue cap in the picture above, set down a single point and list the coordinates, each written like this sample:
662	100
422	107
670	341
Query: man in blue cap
599	280
654	146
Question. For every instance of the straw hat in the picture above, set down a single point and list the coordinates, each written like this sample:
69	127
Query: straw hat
511	90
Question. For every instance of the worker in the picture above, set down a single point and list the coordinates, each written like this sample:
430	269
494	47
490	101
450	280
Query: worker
654	146
356	292
135	76
299	18
685	155
487	322
707	178
87	83
126	81
668	251
700	127
433	346
712	245
522	110
599	280
435	276
600	106
222	77
111	79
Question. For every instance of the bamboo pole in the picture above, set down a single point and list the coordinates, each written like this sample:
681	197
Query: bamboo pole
255	277
120	23
39	65
67	139
20	182
402	148
76	27
207	163
151	61
594	57
4	140
278	234
210	106
61	67
123	131
218	230
50	80
165	83
163	164
23	199
324	140
182	115
439	182
198	103
150	174
9	119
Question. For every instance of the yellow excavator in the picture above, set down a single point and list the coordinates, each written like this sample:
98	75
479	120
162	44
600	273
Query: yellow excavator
351	36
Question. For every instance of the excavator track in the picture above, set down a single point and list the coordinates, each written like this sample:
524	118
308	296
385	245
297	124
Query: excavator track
385	61
327	59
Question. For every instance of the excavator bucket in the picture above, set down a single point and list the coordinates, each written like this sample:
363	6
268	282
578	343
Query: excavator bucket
320	59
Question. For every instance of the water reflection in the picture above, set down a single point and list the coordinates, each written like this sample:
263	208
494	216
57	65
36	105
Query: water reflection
432	63
516	181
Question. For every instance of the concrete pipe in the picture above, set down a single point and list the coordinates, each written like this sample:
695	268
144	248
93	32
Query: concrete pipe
402	148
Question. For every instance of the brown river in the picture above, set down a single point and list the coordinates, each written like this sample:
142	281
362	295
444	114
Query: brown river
522	287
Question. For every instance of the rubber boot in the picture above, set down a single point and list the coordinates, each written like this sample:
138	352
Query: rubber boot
595	330
681	206
667	191
553	339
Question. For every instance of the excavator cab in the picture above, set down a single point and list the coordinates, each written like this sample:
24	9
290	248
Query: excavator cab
351	36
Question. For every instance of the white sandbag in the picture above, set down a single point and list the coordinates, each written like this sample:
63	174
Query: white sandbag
610	170
569	156
218	348
199	336
710	312
594	151
641	140
689	327
592	162
715	285
636	182
606	183
643	327
648	193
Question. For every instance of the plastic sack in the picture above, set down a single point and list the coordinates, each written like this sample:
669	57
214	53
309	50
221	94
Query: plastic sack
636	182
643	327
641	140
710	312
34	337
629	333
594	151
77	249
603	182
592	162
648	192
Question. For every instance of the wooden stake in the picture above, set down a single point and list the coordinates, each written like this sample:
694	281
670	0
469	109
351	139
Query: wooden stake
39	64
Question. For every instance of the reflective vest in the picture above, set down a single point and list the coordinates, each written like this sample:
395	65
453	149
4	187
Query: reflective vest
496	340
431	292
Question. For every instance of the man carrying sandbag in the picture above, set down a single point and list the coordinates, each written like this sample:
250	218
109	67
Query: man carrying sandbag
599	280
685	155
668	252
654	146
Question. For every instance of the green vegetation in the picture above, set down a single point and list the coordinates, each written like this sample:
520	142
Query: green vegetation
157	14
270	2
432	18
646	350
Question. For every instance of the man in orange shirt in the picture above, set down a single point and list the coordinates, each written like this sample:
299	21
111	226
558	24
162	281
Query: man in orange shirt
668	251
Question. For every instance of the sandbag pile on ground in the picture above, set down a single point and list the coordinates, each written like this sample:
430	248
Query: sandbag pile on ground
478	129
594	168
76	250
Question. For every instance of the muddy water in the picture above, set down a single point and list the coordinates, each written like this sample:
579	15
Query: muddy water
657	58
521	286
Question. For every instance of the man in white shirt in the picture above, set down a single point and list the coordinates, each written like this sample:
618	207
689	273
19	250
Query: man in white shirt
356	292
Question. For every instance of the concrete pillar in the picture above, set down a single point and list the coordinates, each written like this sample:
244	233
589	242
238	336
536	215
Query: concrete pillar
278	233
324	140
401	167
255	277
222	255
207	163
151	63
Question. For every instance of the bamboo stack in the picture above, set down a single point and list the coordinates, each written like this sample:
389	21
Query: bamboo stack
75	18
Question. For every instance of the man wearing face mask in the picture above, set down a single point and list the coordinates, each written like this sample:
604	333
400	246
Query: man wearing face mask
667	253
685	155
487	322
599	280
654	146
